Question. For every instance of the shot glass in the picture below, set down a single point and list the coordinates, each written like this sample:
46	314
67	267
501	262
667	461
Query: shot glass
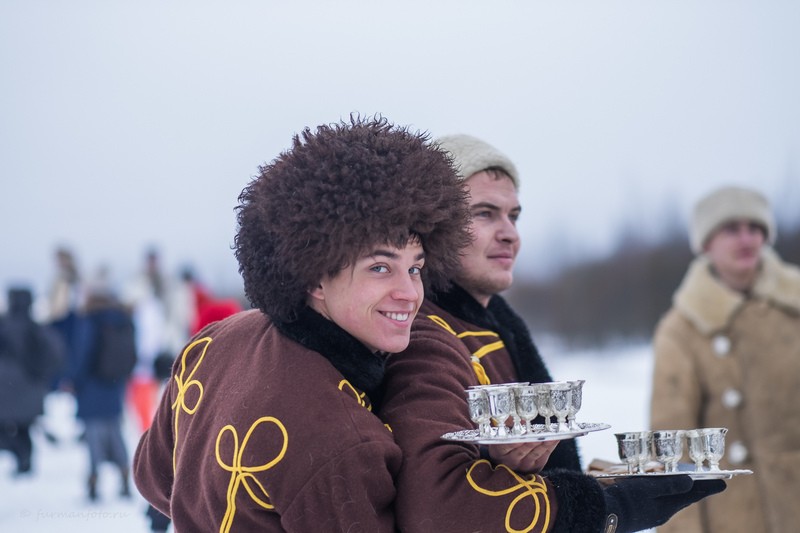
713	446
577	399
668	448
501	407
525	401
629	446
695	438
561	401
647	449
478	404
543	404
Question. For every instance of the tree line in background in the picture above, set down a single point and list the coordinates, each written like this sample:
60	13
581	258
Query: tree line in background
620	297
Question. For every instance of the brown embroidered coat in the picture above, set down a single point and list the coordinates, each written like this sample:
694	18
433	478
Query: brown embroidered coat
449	486
257	432
723	359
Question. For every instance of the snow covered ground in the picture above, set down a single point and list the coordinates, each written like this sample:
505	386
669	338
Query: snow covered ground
53	498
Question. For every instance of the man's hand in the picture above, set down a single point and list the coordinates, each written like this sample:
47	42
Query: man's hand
525	457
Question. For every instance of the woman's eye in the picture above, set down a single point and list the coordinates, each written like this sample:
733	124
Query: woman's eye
415	271
381	269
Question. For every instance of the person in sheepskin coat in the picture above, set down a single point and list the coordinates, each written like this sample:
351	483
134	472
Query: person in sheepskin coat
727	354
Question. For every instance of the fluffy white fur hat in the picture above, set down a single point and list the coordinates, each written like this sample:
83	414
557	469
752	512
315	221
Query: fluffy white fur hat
726	204
472	155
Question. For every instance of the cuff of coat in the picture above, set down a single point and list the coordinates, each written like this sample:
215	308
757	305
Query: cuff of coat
581	503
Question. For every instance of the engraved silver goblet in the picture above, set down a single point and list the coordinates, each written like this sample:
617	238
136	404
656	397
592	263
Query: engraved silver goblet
696	447
668	448
647	450
629	447
543	404
501	406
525	399
561	401
577	399
478	404
714	446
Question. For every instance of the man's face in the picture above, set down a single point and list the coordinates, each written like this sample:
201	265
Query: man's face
377	298
487	264
734	249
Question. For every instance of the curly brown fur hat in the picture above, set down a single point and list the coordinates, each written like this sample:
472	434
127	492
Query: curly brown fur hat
338	192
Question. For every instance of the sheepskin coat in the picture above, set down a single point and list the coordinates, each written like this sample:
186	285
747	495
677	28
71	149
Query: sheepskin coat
727	359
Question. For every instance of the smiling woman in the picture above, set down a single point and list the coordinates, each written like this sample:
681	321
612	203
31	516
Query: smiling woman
336	239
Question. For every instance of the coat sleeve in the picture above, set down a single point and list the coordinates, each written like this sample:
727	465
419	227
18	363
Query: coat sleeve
448	486
676	401
153	472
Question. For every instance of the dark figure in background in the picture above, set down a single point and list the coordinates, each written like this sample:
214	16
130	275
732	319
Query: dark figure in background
100	401
30	355
64	298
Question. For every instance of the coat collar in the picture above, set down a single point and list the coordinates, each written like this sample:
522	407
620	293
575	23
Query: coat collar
362	368
710	305
499	317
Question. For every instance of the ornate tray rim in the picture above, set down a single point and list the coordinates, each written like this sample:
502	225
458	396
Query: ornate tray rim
471	435
706	474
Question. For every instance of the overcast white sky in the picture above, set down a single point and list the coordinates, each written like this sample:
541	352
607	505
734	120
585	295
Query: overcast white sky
129	123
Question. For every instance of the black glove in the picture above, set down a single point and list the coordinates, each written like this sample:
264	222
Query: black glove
638	503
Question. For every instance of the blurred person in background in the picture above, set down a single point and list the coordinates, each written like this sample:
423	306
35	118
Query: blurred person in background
468	335
64	299
727	354
99	398
30	356
267	423
147	296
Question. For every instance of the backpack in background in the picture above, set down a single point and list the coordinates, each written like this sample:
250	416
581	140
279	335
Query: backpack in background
116	350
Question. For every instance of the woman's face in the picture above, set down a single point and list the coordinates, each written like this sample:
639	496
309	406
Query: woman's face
377	298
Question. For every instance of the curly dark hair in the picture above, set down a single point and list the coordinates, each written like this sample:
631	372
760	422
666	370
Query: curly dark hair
337	193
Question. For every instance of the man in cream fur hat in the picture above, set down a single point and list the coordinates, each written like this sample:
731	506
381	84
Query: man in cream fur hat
728	355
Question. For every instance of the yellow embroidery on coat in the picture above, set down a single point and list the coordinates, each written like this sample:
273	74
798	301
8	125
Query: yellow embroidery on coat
360	397
477	367
183	382
480	372
534	488
243	475
489	348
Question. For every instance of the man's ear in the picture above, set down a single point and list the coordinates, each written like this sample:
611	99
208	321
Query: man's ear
317	293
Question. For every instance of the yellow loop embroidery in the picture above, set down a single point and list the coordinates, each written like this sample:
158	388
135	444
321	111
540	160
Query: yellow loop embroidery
534	488
183	382
477	367
360	397
243	475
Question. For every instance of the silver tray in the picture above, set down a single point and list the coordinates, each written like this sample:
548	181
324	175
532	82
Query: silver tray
472	436
694	474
